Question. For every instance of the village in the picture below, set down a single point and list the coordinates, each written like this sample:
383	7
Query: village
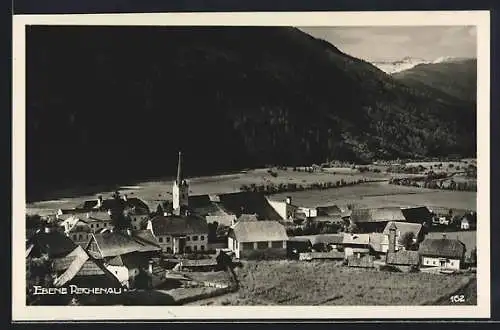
191	248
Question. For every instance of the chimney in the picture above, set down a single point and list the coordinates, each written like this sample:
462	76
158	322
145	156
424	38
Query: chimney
129	232
47	230
99	201
150	267
392	238
288	200
88	215
125	197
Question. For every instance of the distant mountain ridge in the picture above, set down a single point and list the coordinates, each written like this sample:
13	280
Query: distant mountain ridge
110	103
408	62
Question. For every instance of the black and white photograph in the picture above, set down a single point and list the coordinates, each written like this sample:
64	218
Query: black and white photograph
194	162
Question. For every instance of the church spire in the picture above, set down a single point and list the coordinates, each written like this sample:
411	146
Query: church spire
179	169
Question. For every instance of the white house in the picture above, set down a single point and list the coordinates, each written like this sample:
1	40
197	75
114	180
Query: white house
180	233
285	209
252	238
442	252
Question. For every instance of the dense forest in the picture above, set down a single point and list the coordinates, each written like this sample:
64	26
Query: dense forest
117	103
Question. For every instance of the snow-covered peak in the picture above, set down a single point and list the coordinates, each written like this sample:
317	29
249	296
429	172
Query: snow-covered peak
399	65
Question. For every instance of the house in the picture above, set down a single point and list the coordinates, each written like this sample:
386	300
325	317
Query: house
442	252
125	254
375	220
329	210
79	227
50	243
356	244
400	258
285	209
419	214
249	239
180	233
402	228
464	224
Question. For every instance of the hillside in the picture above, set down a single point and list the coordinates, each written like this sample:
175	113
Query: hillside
117	103
457	78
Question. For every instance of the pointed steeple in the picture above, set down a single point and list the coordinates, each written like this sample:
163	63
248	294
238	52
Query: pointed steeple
179	169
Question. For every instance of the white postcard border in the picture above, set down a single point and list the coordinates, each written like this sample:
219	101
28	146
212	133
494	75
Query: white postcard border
480	19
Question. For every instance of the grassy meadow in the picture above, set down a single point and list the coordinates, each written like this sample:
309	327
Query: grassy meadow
323	283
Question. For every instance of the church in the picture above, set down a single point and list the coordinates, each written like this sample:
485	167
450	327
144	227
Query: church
180	231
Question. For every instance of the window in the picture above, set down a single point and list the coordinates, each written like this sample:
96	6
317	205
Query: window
167	239
202	247
79	237
160	239
202	237
277	244
188	238
195	248
91	225
262	245
195	238
247	246
169	250
97	225
188	249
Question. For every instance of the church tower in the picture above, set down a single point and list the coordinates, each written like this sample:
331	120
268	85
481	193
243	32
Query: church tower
180	190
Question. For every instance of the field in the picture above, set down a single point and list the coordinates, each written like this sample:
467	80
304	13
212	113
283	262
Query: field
153	191
322	283
365	195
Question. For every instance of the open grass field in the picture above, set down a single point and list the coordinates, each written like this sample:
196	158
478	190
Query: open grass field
382	194
153	191
322	283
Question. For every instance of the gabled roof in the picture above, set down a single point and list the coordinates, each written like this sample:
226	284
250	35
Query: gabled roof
377	215
116	243
442	247
178	225
129	260
131	202
248	217
419	214
356	239
327	239
403	257
377	241
404	227
329	210
54	244
203	205
147	240
248	202
259	231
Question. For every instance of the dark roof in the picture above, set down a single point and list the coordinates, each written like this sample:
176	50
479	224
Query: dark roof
203	205
249	203
178	225
404	227
54	244
327	218
329	210
403	257
259	231
419	214
377	215
442	247
131	202
327	239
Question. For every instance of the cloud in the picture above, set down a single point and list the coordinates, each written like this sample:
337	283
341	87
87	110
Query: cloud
394	42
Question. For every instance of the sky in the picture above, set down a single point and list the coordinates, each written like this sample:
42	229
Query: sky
389	43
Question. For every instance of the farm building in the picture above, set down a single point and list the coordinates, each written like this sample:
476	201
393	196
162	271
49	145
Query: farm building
399	257
125	254
329	210
356	244
285	209
79	227
249	239
420	214
297	245
180	233
413	230
375	220
442	252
